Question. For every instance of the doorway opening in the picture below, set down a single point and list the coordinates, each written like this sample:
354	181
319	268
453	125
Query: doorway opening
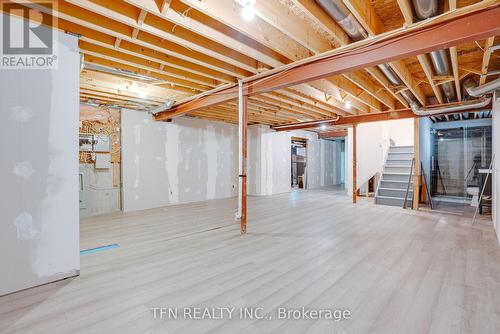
299	163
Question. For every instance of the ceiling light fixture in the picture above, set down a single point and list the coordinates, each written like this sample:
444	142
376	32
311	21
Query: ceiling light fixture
142	94
348	104
323	127
248	10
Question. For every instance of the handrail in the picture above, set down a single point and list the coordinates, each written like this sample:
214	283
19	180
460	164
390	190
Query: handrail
408	185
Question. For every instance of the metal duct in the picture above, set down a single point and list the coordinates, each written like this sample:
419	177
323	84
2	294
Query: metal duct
440	62
339	12
395	80
425	8
490	87
472	104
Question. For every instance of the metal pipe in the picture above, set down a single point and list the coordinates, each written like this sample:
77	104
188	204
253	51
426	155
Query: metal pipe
490	87
240	149
339	12
471	104
441	66
425	8
395	80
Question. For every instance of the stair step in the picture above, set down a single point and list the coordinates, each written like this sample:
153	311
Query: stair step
401	149
393	162
397	169
395	176
392	201
391	192
394	184
400	156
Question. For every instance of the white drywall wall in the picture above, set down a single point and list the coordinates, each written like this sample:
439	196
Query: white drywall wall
186	160
276	161
373	141
496	163
101	196
39	227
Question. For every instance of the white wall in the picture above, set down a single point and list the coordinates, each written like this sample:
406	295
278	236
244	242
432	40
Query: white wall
275	168
186	160
39	227
373	141
496	163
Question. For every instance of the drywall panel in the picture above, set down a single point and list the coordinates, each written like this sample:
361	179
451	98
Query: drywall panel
496	163
186	160
275	149
400	132
101	196
39	228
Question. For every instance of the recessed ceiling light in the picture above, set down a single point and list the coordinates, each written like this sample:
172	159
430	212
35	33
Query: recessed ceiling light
323	127
142	94
348	104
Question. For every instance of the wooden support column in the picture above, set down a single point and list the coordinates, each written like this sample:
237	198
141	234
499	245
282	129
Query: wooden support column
354	164
416	169
242	143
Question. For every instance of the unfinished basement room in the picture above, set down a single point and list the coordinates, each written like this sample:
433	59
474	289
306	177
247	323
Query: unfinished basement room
250	166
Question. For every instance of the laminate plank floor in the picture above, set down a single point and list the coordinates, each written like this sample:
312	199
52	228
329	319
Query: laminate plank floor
394	270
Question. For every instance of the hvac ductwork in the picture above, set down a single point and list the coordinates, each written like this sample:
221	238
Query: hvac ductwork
395	80
339	12
488	88
462	106
425	9
440	62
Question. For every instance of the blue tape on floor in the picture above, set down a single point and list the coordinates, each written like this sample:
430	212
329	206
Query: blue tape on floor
98	249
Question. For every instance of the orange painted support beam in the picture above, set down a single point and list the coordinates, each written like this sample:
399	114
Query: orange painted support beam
469	24
244	119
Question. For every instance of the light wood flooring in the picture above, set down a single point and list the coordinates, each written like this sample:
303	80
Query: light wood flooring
397	271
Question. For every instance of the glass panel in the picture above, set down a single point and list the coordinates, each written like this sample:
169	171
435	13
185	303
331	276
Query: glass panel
458	155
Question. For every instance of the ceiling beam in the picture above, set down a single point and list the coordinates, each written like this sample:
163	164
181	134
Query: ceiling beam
365	14
426	66
365	118
228	13
456	74
282	18
332	134
441	32
165	30
315	13
486	59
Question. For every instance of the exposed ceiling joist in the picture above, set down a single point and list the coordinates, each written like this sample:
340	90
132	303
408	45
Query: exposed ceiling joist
444	31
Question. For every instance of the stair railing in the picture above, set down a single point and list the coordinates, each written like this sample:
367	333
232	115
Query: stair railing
409	181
